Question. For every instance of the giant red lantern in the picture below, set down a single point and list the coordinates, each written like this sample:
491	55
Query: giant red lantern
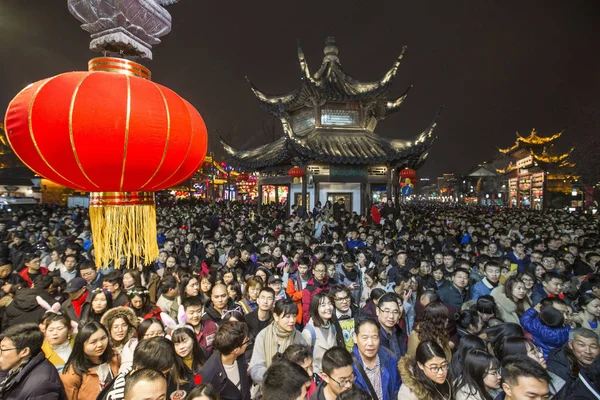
112	132
243	177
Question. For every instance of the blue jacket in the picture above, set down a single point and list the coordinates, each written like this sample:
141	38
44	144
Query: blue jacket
521	263
480	289
538	294
545	337
390	377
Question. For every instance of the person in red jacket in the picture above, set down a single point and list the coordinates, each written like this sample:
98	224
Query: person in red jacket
32	268
296	283
318	283
376	214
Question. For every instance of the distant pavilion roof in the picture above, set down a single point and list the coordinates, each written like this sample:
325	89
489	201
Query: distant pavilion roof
355	143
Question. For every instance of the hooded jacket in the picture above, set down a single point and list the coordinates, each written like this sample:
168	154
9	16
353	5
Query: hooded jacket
111	315
312	287
24	307
38	380
507	309
545	337
412	388
583	388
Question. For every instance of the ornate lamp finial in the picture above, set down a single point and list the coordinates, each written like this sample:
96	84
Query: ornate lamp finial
125	27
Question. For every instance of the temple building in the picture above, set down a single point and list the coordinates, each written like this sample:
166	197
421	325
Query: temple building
329	131
534	171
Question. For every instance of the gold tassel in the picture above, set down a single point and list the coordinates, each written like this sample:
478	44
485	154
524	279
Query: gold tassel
123	225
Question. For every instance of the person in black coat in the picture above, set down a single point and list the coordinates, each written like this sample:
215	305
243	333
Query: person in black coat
574	357
24	307
587	386
29	375
227	369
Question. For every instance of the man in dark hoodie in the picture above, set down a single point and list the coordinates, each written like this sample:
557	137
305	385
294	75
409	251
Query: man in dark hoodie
24	307
574	357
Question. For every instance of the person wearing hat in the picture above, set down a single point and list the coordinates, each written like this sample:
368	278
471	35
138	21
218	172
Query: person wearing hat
76	304
276	283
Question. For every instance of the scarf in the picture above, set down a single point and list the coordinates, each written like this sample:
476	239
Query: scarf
77	303
7	384
272	333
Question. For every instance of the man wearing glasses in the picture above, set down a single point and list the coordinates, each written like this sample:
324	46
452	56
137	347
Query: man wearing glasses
343	317
337	374
391	335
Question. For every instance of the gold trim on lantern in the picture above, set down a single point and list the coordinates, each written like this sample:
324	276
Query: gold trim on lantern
31	134
71	129
119	66
164	156
103	199
126	140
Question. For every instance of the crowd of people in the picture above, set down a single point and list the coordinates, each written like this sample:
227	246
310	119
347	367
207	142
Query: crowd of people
418	300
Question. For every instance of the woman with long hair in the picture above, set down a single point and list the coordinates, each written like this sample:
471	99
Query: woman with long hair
529	281
432	325
370	281
131	279
275	338
148	329
494	335
58	339
319	332
250	296
425	375
467	343
234	291
486	308
590	312
90	366
146	276
101	302
188	348
468	322
511	300
139	302
480	378
519	345
188	287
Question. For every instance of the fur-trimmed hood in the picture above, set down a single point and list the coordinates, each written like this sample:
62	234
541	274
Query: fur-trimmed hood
121	312
408	378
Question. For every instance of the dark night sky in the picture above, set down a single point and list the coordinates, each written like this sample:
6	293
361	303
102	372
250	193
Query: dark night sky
497	66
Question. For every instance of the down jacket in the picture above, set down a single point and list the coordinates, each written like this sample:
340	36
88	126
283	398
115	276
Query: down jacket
545	337
412	388
38	380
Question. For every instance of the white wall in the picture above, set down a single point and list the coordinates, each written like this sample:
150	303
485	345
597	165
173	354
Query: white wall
354	188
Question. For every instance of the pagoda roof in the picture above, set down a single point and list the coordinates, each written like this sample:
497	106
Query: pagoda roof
533	140
337	146
331	83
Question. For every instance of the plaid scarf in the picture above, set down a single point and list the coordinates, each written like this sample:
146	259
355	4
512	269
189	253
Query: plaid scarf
7	384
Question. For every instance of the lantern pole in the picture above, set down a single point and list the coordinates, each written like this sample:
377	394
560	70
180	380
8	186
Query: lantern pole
304	188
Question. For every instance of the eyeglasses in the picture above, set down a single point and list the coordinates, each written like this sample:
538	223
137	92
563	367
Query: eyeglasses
3	350
498	372
437	370
345	382
393	313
